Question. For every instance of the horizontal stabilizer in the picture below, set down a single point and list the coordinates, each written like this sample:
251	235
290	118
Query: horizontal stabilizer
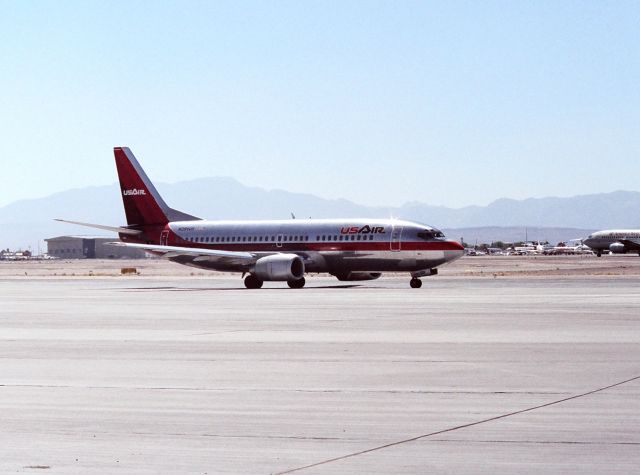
115	229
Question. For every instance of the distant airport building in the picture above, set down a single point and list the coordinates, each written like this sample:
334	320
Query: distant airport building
89	247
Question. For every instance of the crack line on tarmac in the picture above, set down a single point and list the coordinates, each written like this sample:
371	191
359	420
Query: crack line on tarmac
541	442
278	390
451	429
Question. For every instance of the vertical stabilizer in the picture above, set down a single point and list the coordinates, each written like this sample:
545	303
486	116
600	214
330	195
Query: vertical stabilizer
143	205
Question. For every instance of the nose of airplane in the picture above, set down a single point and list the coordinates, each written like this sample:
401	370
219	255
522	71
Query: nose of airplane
455	251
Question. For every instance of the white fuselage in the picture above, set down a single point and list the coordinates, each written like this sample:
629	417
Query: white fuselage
337	246
615	240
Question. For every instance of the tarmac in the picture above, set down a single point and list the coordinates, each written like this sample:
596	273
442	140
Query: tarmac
494	366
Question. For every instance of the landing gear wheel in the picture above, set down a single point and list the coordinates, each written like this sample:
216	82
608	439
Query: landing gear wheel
415	283
296	284
599	254
252	282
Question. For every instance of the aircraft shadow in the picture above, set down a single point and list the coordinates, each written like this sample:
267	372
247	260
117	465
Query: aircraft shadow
225	289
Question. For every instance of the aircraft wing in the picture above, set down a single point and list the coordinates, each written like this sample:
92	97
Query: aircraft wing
632	244
217	259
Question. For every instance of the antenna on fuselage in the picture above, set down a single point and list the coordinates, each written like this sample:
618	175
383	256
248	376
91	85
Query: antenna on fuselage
293	216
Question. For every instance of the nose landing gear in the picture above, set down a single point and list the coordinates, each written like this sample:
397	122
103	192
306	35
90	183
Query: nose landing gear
415	281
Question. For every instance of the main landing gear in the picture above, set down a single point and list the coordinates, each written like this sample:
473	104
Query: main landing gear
252	282
296	284
415	283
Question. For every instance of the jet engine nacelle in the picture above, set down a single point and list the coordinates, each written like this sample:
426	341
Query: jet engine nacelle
358	276
279	267
617	248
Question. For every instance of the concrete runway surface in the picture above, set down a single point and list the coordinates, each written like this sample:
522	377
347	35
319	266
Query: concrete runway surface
161	374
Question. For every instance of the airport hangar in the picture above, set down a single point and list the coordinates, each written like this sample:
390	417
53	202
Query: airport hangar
90	247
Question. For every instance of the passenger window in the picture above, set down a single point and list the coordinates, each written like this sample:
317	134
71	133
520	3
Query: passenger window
353	238
371	237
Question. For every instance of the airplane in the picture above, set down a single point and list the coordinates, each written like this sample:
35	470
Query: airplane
274	250
616	241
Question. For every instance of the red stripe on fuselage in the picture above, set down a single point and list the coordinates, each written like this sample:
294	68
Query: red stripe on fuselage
315	246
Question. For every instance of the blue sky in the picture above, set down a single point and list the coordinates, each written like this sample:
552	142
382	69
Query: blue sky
447	103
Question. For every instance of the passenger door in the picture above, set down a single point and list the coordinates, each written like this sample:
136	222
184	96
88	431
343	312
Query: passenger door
164	238
396	238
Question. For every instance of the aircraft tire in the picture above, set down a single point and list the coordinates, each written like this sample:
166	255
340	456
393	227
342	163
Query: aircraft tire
296	284
415	283
252	282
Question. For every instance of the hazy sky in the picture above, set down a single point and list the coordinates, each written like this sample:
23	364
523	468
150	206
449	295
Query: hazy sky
450	103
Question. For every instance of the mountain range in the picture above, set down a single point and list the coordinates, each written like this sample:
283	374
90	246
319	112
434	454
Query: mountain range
26	223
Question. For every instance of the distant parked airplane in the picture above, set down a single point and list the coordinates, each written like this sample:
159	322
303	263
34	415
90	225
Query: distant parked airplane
617	241
283	250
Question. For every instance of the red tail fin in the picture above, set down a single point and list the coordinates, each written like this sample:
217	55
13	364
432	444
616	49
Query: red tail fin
143	205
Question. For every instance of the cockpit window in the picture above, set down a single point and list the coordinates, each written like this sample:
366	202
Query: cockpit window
428	234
